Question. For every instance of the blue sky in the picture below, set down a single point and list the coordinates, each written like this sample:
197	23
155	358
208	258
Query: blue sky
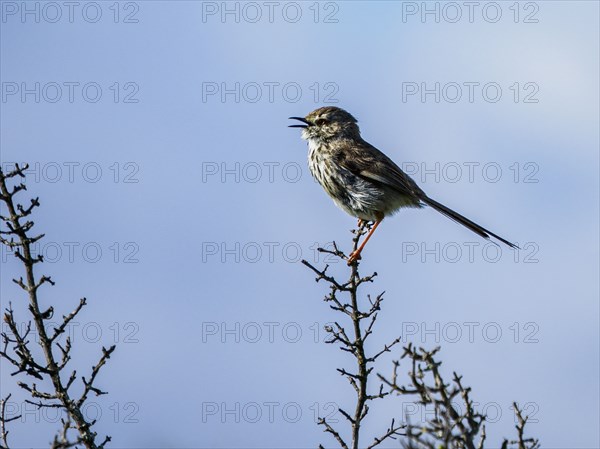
177	201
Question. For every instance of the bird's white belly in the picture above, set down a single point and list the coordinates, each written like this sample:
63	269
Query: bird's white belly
349	192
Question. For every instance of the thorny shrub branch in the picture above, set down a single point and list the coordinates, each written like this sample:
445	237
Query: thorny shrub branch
343	298
451	427
16	347
455	424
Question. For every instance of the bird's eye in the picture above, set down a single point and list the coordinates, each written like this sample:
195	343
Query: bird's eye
320	121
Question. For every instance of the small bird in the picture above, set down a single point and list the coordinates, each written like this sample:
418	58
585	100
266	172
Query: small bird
362	180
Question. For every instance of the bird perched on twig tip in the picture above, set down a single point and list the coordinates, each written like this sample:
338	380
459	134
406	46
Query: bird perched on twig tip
362	180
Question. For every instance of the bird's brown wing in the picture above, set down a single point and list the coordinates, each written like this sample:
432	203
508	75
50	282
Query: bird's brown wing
366	161
369	163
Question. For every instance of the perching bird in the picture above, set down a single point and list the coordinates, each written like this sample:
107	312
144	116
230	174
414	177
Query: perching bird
361	179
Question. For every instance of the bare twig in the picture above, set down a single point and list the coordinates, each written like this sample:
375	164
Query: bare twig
456	423
3	421
353	342
16	237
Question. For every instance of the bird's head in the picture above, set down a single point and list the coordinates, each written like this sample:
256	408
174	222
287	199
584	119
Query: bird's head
326	123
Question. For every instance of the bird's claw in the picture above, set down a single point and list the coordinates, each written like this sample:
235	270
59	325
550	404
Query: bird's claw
353	257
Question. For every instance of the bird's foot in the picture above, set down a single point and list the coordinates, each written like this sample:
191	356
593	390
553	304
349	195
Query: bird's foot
362	227
353	257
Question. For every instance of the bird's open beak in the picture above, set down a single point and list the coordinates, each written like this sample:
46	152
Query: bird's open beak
303	120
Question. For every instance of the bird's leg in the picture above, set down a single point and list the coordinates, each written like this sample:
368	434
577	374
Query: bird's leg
356	254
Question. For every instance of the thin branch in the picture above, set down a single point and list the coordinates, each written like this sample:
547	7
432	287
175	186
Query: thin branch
352	341
451	427
16	237
67	319
4	420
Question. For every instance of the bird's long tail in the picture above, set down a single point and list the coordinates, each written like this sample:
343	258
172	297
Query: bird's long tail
480	230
